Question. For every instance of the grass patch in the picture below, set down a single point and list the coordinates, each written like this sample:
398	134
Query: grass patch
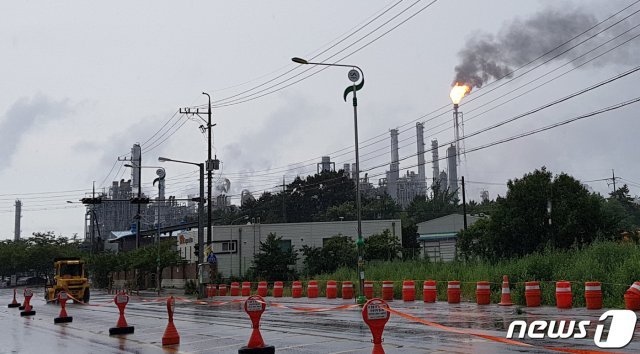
616	265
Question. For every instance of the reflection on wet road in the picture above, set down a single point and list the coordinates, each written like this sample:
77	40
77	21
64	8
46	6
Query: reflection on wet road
224	329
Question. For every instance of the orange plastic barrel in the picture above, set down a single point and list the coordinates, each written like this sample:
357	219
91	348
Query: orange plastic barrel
278	288
453	292
408	290
635	288
209	290
332	289
235	289
631	301
564	298
246	288
262	288
296	289
483	293
222	290
532	293
368	289
214	290
429	291
593	295
347	290
387	290
312	289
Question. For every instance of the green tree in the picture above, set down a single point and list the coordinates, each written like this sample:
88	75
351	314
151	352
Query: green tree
538	211
274	261
337	251
384	246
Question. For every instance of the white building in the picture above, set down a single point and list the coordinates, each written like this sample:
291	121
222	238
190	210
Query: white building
236	245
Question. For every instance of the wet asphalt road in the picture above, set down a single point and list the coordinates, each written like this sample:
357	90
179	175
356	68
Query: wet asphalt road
226	328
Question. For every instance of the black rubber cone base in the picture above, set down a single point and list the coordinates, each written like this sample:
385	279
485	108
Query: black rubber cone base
63	319
13	305
120	330
20	307
268	349
27	313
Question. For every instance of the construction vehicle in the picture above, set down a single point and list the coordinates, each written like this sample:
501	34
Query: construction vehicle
70	276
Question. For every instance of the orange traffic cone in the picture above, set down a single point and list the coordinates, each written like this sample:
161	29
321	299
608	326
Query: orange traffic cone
505	299
170	336
14	303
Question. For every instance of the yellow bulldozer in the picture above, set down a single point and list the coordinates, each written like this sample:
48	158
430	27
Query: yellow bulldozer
69	276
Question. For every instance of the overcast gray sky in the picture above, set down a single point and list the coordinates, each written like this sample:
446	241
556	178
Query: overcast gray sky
82	82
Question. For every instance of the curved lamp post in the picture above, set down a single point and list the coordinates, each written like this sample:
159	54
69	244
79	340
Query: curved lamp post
354	75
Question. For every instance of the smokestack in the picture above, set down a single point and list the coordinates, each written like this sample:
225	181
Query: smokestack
442	178
135	161
452	170
435	161
394	167
16	231
422	176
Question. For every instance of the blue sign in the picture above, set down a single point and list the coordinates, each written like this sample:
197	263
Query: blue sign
211	258
133	227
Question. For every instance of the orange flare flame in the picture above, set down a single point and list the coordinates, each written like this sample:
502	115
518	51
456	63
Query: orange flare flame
458	92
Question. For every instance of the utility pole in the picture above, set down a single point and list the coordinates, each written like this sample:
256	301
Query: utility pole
137	165
211	164
284	207
613	172
464	205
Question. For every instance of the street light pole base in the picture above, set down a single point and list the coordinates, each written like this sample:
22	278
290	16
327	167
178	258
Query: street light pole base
361	300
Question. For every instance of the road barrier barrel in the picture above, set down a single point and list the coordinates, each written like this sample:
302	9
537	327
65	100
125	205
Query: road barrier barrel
222	289
564	298
483	293
312	289
332	289
296	289
368	289
262	288
347	290
212	290
277	289
532	293
387	290
408	290
235	289
429	291
453	292
246	288
632	297
593	295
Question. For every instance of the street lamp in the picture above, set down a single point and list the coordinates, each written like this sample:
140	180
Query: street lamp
354	75
200	212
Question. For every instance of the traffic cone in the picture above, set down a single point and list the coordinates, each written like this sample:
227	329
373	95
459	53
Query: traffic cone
505	299
170	336
121	327
62	317
14	303
28	309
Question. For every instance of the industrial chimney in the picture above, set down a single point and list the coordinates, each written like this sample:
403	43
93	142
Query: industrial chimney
136	154
421	167
394	167
16	232
346	168
435	160
452	170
